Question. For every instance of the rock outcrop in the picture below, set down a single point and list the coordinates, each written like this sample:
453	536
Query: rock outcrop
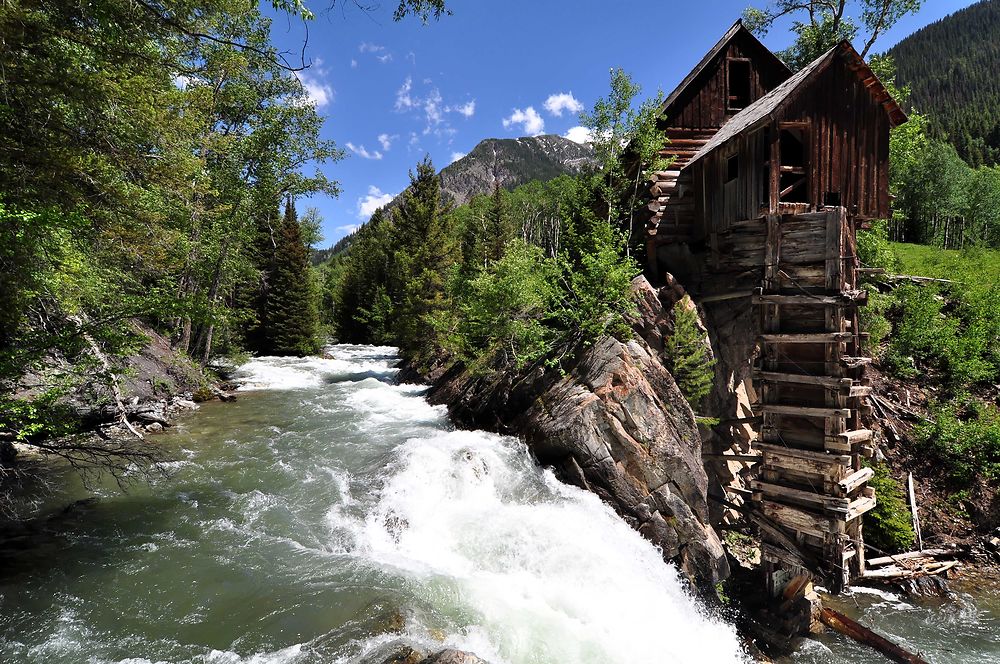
407	655
614	423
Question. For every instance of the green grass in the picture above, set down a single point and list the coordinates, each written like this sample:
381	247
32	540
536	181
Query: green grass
975	268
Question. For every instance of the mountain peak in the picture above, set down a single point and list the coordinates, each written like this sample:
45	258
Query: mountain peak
511	162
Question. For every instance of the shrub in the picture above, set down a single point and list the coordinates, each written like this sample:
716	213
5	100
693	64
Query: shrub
506	307
964	439
888	527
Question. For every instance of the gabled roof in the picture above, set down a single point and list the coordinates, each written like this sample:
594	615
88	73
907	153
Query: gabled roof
767	107
720	46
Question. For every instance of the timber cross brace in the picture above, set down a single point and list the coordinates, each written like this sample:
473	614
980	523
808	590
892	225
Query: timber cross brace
772	173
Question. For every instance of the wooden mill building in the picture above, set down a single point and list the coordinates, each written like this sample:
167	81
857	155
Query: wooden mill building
773	173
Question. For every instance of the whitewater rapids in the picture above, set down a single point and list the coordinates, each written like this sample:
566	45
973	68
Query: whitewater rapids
512	564
329	515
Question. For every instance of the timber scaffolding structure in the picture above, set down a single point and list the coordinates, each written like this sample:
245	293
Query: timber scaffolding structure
811	481
772	174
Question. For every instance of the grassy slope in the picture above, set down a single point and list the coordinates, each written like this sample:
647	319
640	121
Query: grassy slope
974	267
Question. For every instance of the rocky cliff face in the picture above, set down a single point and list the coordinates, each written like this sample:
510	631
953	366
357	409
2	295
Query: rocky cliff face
511	162
616	424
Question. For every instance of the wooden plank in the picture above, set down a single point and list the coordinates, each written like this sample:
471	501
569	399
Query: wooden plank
848	627
829	382
805	411
842	299
807	338
860	506
802	521
913	511
855	480
926	553
832	503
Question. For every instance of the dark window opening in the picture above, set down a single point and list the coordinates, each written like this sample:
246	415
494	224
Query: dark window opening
739	85
831	199
732	168
792	180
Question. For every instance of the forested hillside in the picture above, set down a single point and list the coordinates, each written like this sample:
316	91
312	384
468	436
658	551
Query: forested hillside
506	163
951	69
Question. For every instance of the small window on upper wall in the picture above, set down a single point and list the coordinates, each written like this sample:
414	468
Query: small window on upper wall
732	168
739	85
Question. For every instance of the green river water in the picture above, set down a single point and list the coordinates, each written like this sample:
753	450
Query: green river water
330	515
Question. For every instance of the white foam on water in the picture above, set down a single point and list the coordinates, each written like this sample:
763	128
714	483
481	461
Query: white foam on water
546	572
296	373
513	564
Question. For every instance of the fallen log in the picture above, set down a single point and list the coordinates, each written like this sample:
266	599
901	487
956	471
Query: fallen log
928	553
842	624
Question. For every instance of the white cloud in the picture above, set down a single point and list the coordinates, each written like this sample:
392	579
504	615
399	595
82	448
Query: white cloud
318	92
373	201
354	63
455	156
384	59
403	99
468	109
362	152
368	47
386	140
347	229
412	57
531	122
563	101
432	110
181	82
579	134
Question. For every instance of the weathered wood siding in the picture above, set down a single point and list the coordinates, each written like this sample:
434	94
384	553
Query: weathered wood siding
849	140
847	147
703	105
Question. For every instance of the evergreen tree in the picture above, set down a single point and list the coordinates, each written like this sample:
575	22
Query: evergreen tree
292	315
362	312
687	353
426	249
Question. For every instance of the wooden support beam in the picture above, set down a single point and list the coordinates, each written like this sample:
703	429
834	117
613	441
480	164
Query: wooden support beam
829	503
808	455
799	520
855	480
807	338
829	382
742	458
843	299
804	411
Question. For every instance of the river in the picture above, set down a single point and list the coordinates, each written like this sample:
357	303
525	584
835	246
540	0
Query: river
328	514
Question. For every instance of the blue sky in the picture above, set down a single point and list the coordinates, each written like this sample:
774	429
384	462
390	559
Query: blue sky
392	92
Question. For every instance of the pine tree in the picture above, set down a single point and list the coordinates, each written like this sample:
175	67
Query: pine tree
426	249
687	353
292	315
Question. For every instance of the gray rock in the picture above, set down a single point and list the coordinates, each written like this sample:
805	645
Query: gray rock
615	423
154	427
453	657
185	404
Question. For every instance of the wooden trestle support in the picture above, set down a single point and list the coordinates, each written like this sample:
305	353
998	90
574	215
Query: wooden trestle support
812	488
